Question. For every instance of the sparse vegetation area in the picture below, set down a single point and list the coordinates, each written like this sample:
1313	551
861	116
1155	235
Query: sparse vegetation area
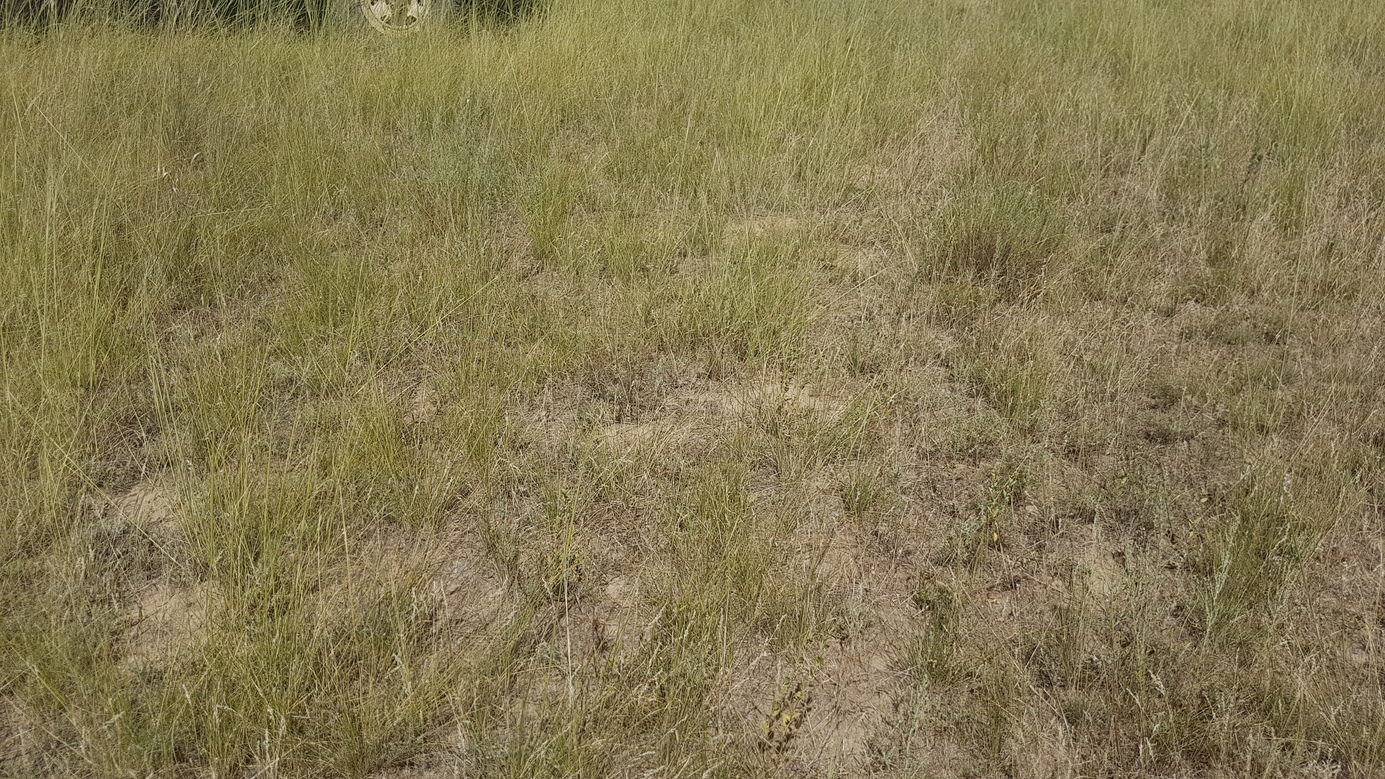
801	388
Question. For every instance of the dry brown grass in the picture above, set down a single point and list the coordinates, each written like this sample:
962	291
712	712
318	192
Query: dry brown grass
729	389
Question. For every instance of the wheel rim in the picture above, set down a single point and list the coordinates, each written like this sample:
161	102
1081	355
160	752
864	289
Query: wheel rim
394	17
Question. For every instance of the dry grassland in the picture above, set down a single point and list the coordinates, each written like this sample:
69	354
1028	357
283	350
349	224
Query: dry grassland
723	388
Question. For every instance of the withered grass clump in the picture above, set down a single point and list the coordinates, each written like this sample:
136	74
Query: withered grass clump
710	389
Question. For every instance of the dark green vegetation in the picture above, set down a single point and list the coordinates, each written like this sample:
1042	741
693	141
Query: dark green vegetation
43	16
